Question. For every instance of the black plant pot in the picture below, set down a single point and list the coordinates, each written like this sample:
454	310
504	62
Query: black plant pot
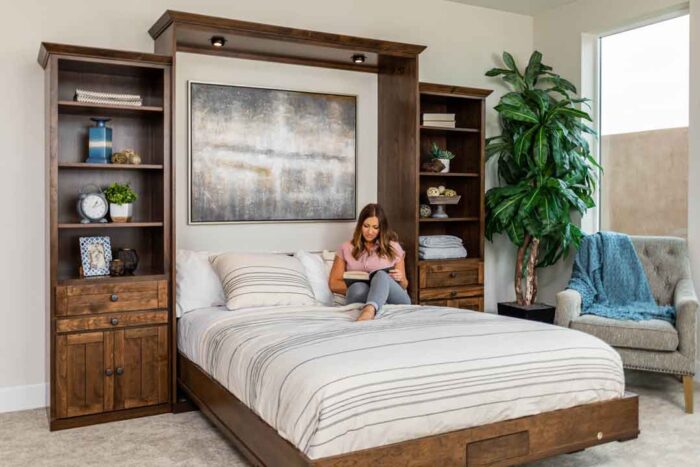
535	312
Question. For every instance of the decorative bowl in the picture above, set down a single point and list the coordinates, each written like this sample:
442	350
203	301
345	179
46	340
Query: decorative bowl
444	199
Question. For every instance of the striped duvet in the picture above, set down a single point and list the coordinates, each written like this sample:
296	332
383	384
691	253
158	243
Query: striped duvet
330	385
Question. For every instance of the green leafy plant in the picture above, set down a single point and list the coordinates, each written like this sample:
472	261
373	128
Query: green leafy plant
545	169
439	153
120	193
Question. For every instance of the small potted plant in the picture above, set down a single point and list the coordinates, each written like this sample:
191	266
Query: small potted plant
443	155
121	198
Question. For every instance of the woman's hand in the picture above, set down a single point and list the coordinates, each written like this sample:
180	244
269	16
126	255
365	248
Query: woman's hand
399	273
396	274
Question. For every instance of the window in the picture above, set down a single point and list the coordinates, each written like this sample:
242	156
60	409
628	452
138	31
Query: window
644	129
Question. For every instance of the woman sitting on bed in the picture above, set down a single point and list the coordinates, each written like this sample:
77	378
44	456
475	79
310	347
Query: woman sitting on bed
373	248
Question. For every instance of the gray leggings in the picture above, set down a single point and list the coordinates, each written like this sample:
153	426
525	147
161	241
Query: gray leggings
382	289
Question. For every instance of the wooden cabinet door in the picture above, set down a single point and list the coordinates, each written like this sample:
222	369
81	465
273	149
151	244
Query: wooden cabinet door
141	366
84	384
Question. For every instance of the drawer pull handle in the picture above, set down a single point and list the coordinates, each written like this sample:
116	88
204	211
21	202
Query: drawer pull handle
114	297
453	293
114	321
109	372
453	275
120	371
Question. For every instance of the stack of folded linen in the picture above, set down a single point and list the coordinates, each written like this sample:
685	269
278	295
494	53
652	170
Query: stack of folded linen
440	247
94	97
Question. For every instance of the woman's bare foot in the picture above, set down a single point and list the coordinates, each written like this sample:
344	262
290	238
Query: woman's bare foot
367	313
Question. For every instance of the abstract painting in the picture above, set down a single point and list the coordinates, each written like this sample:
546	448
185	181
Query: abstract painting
270	155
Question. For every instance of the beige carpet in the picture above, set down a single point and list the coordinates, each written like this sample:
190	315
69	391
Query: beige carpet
669	438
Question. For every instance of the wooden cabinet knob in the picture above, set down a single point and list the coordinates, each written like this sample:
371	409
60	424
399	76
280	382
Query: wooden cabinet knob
453	293
114	321
120	371
109	372
114	297
453	275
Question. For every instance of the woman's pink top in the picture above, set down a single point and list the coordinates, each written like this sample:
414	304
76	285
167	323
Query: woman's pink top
368	262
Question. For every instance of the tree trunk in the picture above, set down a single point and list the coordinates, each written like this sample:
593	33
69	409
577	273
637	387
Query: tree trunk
519	298
530	273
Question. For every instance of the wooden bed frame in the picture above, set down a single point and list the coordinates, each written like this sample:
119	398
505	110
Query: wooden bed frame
509	442
396	65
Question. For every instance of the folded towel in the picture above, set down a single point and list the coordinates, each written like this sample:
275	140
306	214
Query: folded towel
442	252
439	240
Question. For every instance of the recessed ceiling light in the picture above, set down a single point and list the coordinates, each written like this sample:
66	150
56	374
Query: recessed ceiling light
359	58
218	41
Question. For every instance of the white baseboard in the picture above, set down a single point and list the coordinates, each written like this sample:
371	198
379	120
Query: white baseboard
14	398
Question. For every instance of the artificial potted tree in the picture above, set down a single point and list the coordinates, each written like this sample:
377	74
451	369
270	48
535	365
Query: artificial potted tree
545	169
121	198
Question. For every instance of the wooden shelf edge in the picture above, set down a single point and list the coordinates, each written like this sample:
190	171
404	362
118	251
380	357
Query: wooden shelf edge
455	130
450	174
109	225
138	277
449	219
85	165
87	106
468	259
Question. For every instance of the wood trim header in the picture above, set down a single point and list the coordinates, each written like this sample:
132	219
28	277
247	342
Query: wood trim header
281	33
48	48
449	90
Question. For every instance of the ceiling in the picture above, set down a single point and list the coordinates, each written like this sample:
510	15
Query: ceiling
525	7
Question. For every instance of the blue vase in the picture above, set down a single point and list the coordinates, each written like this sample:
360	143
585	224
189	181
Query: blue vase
99	142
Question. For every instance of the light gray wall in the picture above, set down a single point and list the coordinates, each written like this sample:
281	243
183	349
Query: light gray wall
463	42
277	236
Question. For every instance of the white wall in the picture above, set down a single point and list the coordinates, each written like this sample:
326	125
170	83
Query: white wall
567	37
463	42
277	236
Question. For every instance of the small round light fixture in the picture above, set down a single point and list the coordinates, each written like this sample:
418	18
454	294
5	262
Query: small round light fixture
218	41
359	58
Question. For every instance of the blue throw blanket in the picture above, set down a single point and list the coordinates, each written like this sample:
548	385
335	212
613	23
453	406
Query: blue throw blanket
612	283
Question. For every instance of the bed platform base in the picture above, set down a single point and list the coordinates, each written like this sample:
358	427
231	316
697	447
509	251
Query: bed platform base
509	442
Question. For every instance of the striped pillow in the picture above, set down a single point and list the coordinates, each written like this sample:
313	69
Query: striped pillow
251	280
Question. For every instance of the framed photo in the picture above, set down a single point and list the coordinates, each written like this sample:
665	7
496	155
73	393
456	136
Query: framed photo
95	255
270	155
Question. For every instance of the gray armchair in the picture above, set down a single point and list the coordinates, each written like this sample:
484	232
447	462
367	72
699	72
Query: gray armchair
652	345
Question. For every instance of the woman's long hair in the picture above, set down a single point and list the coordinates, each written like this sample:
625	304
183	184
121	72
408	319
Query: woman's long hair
383	239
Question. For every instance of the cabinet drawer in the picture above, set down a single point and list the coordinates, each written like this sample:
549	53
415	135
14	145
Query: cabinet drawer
472	303
111	321
448	293
451	273
108	298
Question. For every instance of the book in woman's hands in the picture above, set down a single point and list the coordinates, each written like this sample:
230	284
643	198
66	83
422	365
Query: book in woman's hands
350	277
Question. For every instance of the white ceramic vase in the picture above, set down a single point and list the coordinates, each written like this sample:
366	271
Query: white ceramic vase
446	163
121	212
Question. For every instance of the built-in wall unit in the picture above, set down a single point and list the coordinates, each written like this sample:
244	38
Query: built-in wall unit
457	283
285	381
108	337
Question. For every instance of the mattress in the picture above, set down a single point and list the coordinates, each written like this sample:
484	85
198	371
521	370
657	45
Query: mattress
330	385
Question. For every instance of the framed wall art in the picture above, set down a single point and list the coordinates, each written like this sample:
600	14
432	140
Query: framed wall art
266	155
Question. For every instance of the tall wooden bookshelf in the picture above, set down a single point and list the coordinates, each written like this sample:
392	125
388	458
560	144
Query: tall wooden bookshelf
109	350
450	282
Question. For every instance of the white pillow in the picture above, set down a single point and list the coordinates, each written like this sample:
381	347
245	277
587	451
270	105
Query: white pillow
251	280
328	259
317	275
197	285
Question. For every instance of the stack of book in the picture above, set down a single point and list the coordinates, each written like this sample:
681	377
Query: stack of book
94	97
439	120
